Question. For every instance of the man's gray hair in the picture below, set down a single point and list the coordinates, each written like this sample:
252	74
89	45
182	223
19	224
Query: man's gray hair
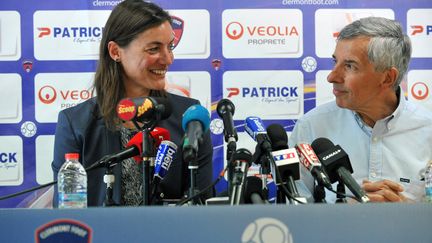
388	47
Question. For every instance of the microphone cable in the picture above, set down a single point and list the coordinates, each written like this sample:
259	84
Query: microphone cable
221	175
28	190
285	189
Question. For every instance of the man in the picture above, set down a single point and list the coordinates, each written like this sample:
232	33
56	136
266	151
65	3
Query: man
387	138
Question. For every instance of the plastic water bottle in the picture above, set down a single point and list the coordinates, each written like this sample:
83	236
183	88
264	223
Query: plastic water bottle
72	183
428	182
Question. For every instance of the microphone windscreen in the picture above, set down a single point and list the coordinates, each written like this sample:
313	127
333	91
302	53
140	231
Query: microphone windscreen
225	105
163	106
136	141
321	145
278	137
196	113
243	155
253	185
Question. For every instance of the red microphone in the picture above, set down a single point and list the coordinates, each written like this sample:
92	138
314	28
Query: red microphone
310	161
158	135
133	148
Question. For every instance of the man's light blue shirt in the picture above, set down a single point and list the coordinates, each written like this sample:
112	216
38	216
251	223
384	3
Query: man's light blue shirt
396	148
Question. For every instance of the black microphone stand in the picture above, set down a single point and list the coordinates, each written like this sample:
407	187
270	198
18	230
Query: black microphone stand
319	193
147	154
236	197
109	179
341	192
191	157
193	168
231	148
264	160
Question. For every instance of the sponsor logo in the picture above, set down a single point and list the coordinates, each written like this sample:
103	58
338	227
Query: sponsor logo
8	157
309	64
69	32
267	230
63	230
261	34
420	91
11	161
48	94
217	126
28	129
234	30
260	92
233	92
420	29
276	33
178	27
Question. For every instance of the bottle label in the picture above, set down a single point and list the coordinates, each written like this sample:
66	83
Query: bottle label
72	200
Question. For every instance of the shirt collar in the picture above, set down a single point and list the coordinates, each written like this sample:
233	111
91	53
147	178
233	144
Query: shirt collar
388	121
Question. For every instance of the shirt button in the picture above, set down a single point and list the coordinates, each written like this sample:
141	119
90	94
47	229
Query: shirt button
375	139
373	174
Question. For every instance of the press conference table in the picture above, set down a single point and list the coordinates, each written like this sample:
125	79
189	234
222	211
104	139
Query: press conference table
388	222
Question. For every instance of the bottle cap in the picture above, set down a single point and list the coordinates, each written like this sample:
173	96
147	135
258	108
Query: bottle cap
69	156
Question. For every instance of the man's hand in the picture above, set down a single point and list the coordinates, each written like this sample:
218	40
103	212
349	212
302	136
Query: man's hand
383	191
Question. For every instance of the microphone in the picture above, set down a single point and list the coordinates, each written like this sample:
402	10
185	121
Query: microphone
338	166
164	157
255	128
158	134
310	161
254	191
242	159
133	149
286	160
225	110
144	109
196	121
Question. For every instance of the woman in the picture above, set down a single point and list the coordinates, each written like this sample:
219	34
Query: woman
135	53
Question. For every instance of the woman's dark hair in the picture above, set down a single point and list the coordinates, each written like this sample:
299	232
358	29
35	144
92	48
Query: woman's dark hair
126	22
